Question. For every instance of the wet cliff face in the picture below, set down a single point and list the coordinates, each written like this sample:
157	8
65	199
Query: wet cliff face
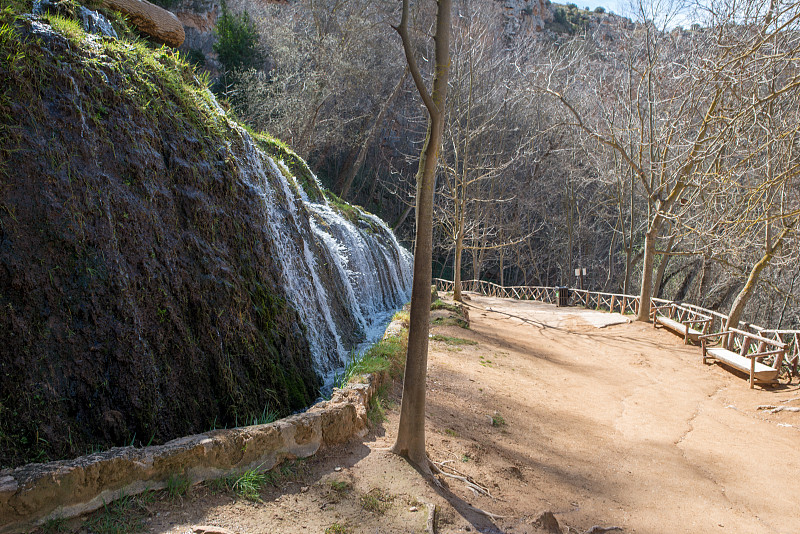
160	273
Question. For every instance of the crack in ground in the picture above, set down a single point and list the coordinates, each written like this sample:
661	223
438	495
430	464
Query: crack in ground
698	467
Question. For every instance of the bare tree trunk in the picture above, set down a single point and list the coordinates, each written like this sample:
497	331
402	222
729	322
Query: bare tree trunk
362	152
403	216
705	276
629	247
786	300
647	270
304	142
662	266
739	303
411	432
502	267
457	267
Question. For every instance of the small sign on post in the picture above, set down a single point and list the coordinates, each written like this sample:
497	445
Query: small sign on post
580	274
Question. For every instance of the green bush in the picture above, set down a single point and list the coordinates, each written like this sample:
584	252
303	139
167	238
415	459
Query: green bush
196	57
166	4
600	9
238	41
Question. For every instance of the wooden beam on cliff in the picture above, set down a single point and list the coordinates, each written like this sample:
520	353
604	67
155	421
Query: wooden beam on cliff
157	22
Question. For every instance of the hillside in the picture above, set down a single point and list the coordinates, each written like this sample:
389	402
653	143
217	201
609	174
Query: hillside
162	270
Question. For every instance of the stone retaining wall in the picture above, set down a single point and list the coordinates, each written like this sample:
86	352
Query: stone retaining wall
34	493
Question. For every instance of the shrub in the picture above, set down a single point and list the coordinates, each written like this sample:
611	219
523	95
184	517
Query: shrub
166	4
238	41
196	57
600	9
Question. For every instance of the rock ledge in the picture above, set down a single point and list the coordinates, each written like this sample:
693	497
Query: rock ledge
34	493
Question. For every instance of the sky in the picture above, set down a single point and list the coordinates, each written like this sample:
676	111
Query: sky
610	5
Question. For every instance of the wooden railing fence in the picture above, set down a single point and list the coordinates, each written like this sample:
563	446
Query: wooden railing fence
624	304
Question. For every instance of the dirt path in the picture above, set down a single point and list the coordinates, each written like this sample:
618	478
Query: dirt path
615	425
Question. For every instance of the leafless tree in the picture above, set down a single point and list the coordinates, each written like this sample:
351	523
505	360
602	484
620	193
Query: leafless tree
411	432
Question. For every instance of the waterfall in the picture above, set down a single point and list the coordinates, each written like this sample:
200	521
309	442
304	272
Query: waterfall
344	277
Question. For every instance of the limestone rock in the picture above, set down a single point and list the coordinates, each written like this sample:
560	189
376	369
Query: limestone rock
199	18
67	488
155	21
91	21
94	22
522	16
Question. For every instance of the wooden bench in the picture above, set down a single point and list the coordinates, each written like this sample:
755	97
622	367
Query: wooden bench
689	323
792	340
744	360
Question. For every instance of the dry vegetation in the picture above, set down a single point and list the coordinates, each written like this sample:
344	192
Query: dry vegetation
661	158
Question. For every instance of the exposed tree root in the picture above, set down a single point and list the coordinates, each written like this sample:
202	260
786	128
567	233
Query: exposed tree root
775	409
470	483
430	526
597	529
487	514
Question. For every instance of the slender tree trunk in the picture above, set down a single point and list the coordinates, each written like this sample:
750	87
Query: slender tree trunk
411	432
647	270
628	266
705	276
477	261
304	142
362	152
403	216
502	267
786	300
457	266
739	303
662	266
629	247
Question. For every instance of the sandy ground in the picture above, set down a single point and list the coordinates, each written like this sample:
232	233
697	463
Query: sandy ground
606	423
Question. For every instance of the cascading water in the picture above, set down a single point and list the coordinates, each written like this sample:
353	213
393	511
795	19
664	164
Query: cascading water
345	277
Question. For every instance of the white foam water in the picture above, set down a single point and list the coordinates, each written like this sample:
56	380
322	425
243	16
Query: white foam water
344	278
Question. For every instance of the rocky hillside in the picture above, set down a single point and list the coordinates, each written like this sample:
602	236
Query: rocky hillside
162	270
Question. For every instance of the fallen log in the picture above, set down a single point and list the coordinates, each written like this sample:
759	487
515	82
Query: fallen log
157	22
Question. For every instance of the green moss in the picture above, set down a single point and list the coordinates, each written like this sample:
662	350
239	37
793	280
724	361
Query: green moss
439	304
290	384
280	151
131	97
68	27
376	412
453	340
385	356
451	321
354	214
18	7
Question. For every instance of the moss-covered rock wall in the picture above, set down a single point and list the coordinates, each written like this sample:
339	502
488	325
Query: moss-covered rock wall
139	300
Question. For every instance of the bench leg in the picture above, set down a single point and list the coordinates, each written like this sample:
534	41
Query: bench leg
752	372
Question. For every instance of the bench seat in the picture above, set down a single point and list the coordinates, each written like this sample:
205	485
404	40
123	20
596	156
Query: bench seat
679	327
746	360
762	373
